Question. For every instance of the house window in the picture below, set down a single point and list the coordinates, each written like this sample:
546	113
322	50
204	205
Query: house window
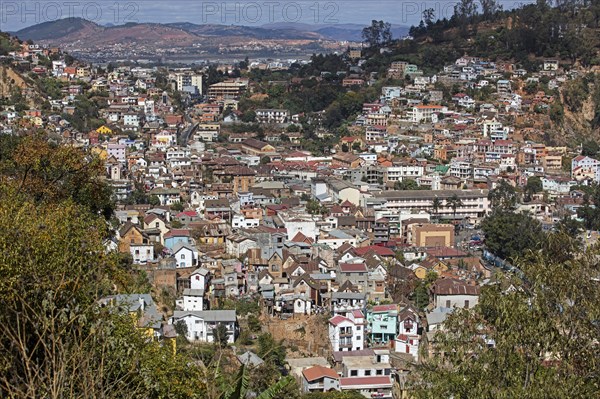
467	304
379	372
182	256
137	251
367	373
448	303
353	373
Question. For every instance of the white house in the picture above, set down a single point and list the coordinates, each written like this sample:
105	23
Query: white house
185	255
320	379
407	343
347	333
141	253
451	293
199	279
238	245
132	120
193	300
584	166
201	324
241	222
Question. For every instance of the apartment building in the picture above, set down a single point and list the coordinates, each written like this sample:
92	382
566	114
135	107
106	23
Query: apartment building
474	203
228	90
277	116
186	80
347	333
425	113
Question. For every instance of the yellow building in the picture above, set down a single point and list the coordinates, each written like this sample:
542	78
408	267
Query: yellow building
431	235
429	264
104	130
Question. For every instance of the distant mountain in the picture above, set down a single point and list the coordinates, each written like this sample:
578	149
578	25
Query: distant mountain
58	29
87	33
72	30
246	31
350	32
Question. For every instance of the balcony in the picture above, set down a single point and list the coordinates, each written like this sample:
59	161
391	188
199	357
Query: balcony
346	335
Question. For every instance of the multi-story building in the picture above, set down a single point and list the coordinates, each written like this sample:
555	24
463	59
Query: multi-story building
382	323
585	167
399	172
201	324
277	116
188	79
347	333
425	113
227	90
473	203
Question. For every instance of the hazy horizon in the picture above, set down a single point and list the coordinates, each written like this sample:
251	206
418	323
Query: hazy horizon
16	15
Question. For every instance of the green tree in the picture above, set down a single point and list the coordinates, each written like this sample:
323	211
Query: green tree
377	33
220	335
534	185
239	390
249	116
590	148
489	8
436	204
503	197
428	16
46	172
270	350
520	339
454	202
153	200
407	184
177	207
500	237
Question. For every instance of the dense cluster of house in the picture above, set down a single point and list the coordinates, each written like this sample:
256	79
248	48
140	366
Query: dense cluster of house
242	215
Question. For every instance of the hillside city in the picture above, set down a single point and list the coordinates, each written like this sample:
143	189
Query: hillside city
315	223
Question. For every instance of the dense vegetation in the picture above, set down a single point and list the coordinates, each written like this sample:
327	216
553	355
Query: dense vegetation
56	341
543	324
568	31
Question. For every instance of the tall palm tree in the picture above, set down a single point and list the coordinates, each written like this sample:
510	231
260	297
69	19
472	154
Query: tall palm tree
454	202
436	204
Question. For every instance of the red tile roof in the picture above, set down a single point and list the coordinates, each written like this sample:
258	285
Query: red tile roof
191	214
178	233
358	381
353	267
337	319
384	308
454	287
378	250
318	372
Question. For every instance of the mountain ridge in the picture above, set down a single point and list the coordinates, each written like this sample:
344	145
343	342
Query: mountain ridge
71	29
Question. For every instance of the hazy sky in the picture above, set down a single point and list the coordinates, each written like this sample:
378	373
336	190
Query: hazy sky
17	14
